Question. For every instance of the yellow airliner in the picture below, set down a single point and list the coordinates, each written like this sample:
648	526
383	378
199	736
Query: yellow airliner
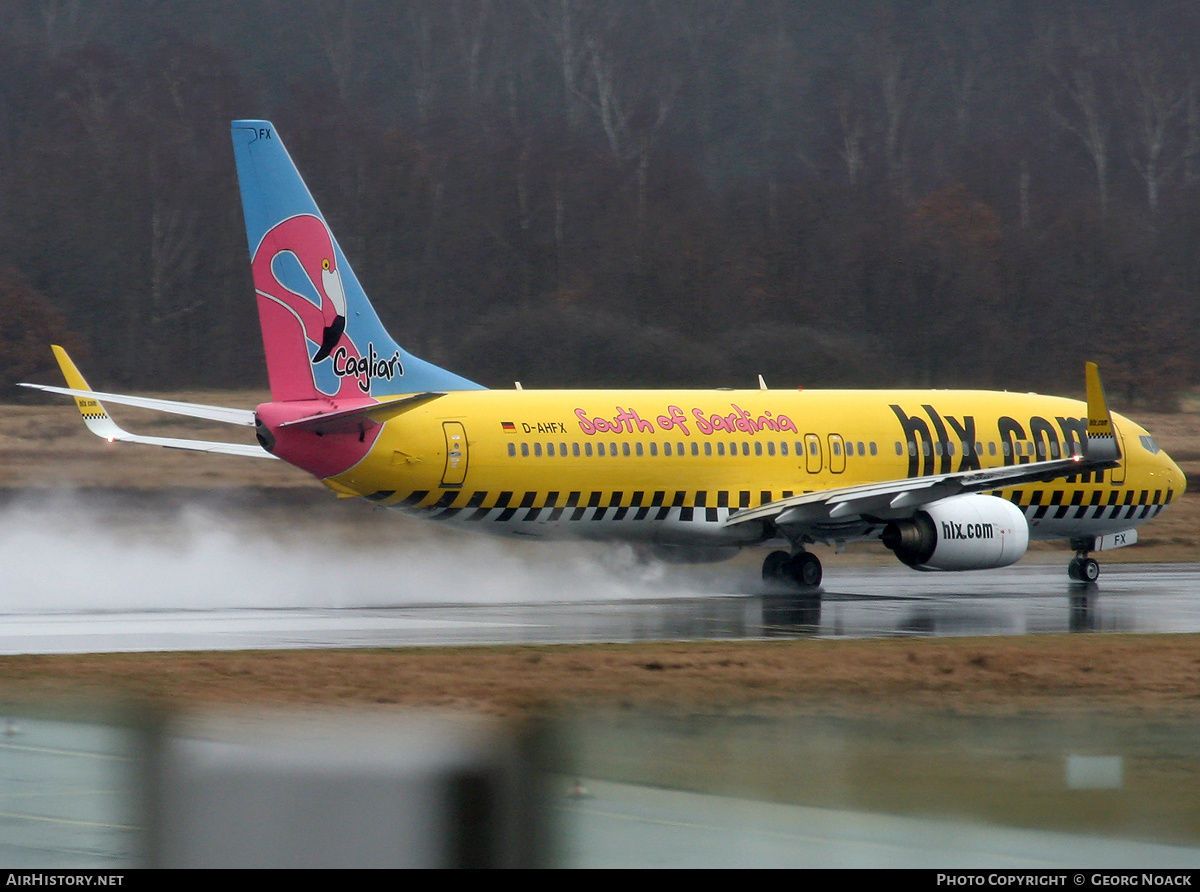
948	480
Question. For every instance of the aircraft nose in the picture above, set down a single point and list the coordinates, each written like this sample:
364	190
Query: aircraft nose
1176	480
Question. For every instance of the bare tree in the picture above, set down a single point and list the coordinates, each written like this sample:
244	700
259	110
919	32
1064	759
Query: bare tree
850	121
472	19
565	23
1159	101
1078	63
335	33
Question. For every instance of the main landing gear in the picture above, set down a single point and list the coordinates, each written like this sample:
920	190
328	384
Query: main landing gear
801	568
1083	568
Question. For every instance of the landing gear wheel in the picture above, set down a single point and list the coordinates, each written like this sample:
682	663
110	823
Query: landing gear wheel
773	565
1089	570
804	569
1083	569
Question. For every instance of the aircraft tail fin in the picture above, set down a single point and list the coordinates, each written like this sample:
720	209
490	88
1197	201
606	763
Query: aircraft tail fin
320	333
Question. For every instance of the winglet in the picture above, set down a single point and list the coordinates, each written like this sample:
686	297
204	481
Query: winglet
1101	437
95	416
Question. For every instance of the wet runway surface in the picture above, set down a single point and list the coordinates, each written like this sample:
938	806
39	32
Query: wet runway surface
855	602
634	826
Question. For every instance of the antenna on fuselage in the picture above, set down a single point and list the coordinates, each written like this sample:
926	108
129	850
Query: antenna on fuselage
762	385
518	386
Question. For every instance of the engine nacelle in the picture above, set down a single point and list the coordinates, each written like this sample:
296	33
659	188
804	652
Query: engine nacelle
970	532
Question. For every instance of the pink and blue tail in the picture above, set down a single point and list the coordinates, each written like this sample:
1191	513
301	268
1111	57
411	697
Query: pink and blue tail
320	333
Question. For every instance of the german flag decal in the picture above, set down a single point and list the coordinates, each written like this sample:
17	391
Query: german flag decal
508	427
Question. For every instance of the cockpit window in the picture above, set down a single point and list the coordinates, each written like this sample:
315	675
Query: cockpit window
1151	446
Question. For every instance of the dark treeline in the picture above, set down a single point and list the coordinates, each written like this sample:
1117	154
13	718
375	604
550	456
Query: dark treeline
622	192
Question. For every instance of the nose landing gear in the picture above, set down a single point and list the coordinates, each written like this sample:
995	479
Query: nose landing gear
1083	568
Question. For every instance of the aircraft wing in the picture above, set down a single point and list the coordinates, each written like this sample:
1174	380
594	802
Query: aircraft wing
96	417
845	508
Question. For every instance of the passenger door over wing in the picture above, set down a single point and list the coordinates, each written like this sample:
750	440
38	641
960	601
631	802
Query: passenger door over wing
837	453
812	449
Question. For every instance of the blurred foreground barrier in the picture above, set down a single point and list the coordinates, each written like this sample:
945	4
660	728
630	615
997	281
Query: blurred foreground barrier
331	790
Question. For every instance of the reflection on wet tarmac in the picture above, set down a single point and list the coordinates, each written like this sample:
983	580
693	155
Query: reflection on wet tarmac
874	602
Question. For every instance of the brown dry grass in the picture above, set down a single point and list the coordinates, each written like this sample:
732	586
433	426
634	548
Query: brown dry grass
1131	675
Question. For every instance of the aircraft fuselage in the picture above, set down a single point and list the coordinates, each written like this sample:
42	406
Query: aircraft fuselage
672	466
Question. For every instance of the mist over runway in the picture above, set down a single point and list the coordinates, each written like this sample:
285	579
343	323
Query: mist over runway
99	572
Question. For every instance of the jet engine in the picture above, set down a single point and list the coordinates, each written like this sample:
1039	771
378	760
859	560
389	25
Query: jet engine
970	532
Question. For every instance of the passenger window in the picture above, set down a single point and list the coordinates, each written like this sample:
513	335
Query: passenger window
860	448
575	449
525	450
637	448
992	448
874	451
770	447
512	450
912	448
720	449
1007	449
949	448
757	448
925	448
899	448
612	449
654	448
562	449
550	449
680	452
1054	448
625	449
837	447
707	448
783	448
695	449
600	449
587	449
537	450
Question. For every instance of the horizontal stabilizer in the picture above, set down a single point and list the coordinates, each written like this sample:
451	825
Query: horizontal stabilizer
350	420
243	417
96	417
